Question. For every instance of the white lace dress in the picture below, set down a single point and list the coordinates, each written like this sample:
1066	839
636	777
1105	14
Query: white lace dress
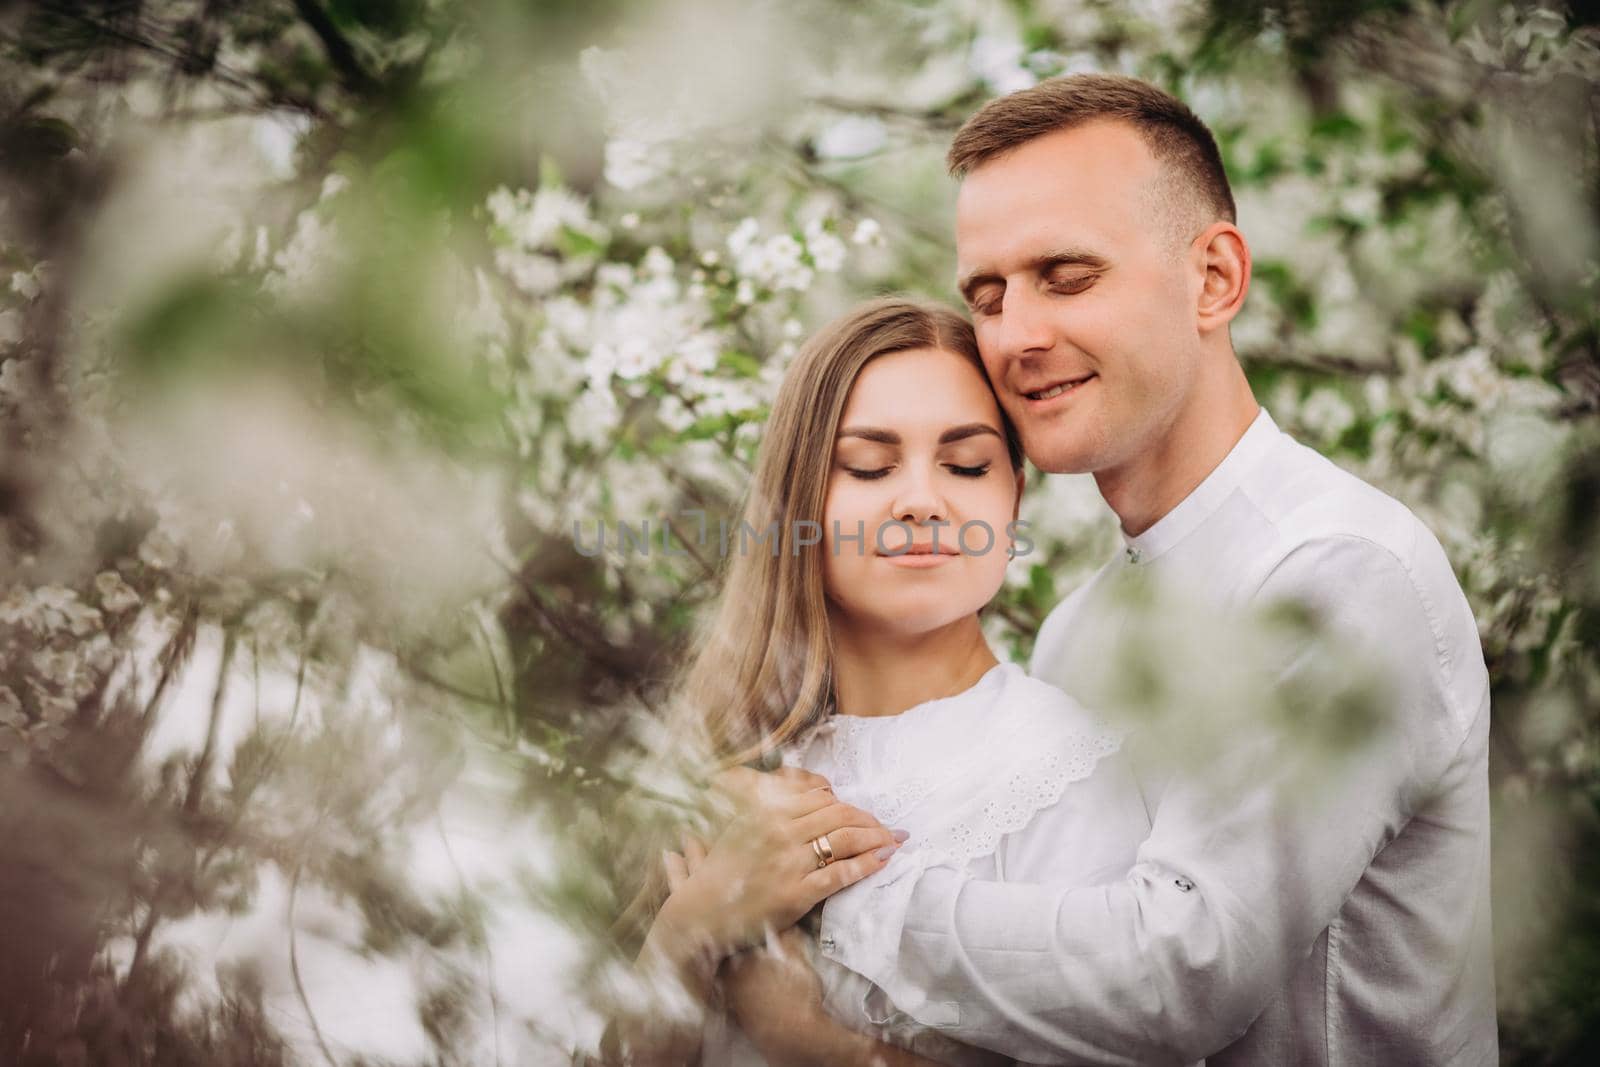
981	782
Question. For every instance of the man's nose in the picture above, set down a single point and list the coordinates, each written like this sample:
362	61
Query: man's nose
1024	326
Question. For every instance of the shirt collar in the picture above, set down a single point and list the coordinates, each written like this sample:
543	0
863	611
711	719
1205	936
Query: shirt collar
1206	497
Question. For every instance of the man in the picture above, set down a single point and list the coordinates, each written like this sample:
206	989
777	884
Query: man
1346	922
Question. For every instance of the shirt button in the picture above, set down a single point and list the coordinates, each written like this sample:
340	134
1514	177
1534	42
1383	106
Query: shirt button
826	941
1134	555
1183	884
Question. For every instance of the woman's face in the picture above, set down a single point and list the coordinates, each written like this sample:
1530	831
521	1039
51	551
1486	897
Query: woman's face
920	444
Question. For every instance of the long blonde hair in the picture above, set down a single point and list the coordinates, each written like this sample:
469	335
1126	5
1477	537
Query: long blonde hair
761	669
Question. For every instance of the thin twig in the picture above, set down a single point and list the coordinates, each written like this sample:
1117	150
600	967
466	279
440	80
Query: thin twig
294	971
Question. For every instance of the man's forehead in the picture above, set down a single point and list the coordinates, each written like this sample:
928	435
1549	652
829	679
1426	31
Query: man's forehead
1078	187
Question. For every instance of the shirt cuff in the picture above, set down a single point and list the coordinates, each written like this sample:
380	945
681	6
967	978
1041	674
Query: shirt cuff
861	930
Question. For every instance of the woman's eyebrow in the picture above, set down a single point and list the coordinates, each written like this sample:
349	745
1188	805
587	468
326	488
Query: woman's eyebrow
871	433
889	437
971	429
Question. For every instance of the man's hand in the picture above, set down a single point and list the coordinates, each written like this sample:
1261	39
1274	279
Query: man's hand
774	995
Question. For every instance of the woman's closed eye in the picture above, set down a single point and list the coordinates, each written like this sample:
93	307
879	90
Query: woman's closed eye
869	475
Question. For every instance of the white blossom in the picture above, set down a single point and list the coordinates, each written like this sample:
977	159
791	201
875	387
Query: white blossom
867	232
1327	414
826	250
998	61
116	596
852	137
630	163
25	284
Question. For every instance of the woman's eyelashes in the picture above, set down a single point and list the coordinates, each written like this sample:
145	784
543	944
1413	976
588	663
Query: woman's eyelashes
872	475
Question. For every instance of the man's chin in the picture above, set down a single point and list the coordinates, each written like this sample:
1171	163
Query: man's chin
1057	458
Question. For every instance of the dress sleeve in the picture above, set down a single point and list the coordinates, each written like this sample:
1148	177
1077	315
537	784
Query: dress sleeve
1245	865
1066	780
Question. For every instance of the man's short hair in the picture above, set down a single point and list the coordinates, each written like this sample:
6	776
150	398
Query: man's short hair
1175	135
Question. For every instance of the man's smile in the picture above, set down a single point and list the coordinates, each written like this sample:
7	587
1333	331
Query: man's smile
1055	389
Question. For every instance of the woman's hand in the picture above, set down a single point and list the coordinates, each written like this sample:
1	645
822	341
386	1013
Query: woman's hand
762	872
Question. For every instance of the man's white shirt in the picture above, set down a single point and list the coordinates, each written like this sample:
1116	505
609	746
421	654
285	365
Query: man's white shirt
1260	924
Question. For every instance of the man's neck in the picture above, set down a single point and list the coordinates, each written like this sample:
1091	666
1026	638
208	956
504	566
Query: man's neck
1146	488
877	673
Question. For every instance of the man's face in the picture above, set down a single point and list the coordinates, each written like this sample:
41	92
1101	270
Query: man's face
1083	296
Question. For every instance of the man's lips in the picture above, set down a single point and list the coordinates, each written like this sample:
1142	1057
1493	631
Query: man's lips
1054	389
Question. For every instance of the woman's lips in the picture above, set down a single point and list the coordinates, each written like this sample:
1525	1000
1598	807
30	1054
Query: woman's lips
918	556
919	560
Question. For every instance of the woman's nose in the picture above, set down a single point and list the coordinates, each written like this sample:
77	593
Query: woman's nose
918	501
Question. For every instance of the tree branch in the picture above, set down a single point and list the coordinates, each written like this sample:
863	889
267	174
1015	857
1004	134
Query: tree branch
340	51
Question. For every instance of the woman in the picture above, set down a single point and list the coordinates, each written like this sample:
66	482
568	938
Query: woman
853	651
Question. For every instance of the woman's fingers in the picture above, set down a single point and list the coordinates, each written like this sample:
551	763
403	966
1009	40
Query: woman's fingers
801	780
829	818
852	841
694	852
824	882
677	869
749	788
797	805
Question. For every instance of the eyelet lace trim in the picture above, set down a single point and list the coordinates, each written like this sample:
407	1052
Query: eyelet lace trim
961	777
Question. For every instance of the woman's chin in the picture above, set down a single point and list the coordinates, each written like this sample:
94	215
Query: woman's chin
908	618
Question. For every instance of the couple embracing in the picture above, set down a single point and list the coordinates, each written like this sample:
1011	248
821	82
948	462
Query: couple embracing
1001	876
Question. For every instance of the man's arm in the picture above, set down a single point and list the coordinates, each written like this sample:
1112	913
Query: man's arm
1249	860
776	998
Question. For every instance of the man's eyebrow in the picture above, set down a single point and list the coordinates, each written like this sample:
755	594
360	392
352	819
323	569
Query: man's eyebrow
889	437
1065	257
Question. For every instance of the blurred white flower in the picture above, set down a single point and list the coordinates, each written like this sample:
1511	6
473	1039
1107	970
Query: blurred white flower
674	414
116	596
313	253
998	62
535	221
657	263
159	550
827	251
632	163
1326	414
535	274
10	327
617	276
867	232
333	185
852	137
776	263
1361	203
700	352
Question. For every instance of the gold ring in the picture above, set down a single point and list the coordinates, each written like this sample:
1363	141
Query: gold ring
824	850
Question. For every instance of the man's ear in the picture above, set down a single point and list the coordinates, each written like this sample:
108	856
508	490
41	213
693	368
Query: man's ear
1224	256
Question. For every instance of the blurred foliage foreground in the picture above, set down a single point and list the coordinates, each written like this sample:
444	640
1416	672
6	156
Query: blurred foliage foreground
327	318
